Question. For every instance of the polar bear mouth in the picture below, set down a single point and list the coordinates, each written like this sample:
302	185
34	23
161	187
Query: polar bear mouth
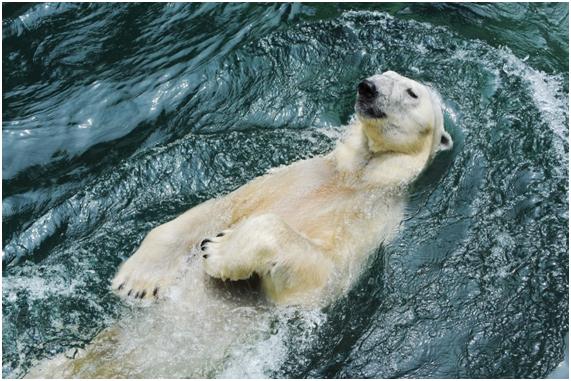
368	110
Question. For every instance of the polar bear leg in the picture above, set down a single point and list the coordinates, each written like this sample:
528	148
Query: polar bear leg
161	258
289	264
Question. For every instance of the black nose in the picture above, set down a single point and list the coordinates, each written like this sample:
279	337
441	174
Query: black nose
367	89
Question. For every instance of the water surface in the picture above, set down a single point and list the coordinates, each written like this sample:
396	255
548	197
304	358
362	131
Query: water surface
117	118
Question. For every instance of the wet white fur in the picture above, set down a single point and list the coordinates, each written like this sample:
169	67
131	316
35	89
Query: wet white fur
306	228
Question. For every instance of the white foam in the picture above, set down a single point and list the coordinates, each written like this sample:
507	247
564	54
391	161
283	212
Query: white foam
38	286
266	356
549	96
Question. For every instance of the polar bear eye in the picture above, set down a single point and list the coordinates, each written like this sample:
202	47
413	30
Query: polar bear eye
411	93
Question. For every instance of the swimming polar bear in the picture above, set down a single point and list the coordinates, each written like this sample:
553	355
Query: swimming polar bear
305	230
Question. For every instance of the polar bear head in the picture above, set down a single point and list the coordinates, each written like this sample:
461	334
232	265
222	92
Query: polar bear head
400	115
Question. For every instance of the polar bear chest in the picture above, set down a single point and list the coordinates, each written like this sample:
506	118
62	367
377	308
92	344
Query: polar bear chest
310	196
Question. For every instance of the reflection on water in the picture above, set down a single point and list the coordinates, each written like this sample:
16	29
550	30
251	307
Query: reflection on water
117	118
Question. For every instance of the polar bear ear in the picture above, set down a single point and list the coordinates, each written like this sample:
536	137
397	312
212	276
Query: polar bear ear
445	142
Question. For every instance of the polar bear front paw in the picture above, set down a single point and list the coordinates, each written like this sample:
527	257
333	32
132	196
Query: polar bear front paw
144	277
226	256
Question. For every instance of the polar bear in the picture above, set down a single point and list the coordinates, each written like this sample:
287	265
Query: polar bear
305	229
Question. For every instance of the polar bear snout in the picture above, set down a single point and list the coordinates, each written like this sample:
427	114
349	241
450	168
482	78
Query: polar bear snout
367	90
367	103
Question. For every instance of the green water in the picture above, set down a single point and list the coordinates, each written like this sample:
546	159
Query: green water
118	117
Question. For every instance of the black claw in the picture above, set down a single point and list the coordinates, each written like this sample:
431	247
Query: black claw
155	292
143	294
205	256
203	243
137	295
220	235
120	286
129	293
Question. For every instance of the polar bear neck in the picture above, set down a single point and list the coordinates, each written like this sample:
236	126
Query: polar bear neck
357	161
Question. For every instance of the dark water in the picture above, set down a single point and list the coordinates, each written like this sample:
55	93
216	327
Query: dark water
117	118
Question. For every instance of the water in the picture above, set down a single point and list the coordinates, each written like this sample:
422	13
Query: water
117	118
